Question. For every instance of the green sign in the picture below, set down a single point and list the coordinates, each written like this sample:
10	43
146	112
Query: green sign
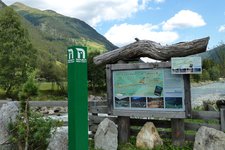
77	98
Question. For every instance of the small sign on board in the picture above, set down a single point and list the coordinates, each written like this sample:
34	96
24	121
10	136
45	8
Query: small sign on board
186	65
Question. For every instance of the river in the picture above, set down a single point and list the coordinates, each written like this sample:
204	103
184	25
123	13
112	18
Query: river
209	92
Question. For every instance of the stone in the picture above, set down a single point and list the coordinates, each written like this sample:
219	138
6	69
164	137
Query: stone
209	139
51	112
148	137
59	139
106	135
8	113
44	110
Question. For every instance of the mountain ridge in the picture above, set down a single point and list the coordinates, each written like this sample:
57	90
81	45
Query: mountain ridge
51	33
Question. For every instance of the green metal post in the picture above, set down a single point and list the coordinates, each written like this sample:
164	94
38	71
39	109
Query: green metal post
77	98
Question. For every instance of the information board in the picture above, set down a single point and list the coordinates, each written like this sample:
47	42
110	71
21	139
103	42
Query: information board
186	65
148	89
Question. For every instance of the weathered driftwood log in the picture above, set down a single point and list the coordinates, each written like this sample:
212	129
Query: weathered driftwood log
146	48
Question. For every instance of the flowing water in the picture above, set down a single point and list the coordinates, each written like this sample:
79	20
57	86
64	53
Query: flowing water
210	92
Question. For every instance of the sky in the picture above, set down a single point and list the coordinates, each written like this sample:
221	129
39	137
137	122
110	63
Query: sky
163	21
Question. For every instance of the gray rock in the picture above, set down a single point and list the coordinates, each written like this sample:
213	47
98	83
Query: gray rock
148	137
106	135
59	141
8	113
209	139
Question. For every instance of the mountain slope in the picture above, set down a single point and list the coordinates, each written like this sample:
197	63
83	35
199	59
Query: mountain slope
216	54
52	32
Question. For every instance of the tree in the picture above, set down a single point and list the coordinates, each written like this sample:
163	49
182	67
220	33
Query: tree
96	74
17	56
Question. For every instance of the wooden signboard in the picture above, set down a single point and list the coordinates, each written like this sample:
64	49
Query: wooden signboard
147	90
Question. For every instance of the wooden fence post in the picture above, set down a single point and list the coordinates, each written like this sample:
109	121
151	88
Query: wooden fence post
222	119
123	129
178	135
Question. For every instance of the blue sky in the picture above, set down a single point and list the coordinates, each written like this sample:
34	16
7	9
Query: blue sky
164	21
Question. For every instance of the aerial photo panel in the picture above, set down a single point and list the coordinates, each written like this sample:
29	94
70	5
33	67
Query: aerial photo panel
122	102
173	102
138	102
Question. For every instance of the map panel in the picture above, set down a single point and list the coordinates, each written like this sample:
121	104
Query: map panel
143	83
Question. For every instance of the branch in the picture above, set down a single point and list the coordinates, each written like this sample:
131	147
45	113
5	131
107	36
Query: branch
151	49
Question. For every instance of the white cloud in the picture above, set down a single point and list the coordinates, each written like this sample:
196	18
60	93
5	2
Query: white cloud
222	28
184	19
159	1
124	34
91	11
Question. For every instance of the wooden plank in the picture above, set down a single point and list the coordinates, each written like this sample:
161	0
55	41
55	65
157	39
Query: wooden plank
123	129
98	109
97	103
178	134
222	119
48	103
157	123
206	115
150	113
196	126
187	93
109	88
98	119
140	66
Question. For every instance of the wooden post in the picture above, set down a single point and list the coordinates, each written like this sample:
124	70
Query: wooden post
187	98
123	129
222	119
178	135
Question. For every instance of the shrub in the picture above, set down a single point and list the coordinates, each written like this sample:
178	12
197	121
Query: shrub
34	134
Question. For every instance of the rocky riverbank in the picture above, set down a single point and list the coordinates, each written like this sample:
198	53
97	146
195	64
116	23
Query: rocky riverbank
207	91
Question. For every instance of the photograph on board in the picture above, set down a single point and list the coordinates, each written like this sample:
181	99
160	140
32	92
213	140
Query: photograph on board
138	102
155	102
173	102
122	102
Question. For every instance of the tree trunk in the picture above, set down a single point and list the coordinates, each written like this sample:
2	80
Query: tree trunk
146	48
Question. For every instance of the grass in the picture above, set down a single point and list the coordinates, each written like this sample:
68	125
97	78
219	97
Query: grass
167	145
47	91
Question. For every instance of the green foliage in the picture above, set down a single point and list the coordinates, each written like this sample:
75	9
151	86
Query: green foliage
55	72
40	130
211	71
167	145
30	130
30	87
205	75
52	33
214	73
96	74
17	56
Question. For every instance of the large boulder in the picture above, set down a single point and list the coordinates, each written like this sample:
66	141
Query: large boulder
8	113
59	139
148	137
209	139
106	135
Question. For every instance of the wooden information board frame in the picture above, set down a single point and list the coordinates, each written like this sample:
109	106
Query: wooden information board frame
110	68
